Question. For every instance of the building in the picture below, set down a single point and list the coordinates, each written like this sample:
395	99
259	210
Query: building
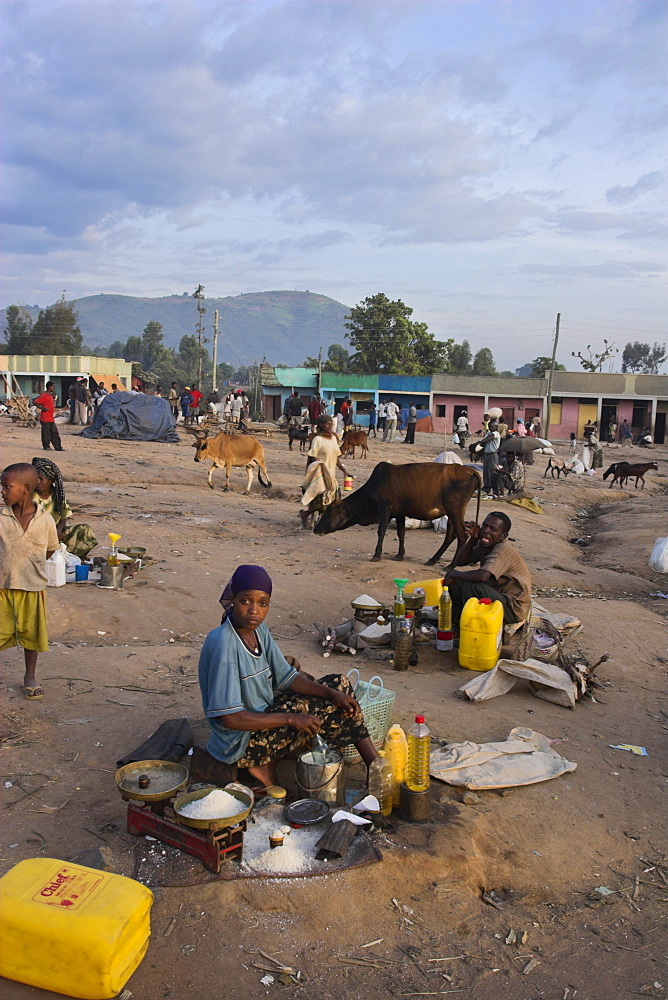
28	374
577	398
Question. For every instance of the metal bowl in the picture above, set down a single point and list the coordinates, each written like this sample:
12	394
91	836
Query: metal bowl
136	551
245	806
165	780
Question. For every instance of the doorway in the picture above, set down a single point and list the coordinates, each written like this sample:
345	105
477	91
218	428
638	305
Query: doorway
608	416
457	411
660	428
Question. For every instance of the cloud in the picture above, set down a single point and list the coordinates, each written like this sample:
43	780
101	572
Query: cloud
620	195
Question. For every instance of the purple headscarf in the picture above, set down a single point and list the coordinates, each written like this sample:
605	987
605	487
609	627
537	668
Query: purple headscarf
244	578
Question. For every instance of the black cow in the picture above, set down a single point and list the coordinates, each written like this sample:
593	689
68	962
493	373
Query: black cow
424	490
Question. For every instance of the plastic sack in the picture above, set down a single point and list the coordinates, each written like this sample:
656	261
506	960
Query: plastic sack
440	524
56	570
658	560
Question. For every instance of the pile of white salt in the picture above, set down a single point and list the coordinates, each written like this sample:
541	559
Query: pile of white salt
216	805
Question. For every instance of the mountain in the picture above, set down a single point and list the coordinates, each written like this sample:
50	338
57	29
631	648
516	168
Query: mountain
283	327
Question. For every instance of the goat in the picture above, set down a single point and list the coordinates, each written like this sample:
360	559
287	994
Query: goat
637	472
556	465
618	472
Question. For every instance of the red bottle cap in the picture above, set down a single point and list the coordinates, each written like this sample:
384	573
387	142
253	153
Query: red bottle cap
484	600
419	718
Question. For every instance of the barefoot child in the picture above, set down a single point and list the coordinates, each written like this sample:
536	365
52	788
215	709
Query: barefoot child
28	537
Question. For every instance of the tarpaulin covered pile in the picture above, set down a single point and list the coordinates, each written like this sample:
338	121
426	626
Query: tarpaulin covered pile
134	417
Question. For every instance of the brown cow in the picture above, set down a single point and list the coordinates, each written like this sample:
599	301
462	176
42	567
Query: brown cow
230	450
352	440
424	490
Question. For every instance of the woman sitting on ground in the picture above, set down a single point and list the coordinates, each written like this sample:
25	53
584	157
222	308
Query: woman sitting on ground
260	708
50	496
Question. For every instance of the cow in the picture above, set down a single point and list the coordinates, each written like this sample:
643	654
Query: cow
352	440
231	451
424	490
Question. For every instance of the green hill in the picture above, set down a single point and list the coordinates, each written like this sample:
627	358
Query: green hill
283	327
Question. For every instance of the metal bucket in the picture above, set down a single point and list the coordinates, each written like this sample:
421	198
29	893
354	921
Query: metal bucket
321	781
111	577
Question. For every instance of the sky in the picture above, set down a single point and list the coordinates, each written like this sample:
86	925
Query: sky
491	164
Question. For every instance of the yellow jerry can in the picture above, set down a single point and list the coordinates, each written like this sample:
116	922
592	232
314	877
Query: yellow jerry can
71	929
432	590
480	633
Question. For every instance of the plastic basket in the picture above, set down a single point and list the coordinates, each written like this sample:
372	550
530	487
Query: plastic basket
377	704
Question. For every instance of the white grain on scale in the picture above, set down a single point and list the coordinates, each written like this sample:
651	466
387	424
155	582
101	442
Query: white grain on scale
216	805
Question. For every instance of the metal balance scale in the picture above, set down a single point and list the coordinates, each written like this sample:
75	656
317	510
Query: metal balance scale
151	789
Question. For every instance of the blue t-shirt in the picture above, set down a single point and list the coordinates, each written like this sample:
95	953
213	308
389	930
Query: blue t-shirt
232	679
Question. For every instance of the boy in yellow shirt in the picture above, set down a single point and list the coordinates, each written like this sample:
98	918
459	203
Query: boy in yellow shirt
28	537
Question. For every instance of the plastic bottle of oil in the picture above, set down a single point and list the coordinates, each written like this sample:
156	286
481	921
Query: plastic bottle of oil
403	645
417	766
445	611
396	751
381	782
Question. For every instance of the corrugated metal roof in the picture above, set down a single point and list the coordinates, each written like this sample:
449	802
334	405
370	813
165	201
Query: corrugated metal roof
300	378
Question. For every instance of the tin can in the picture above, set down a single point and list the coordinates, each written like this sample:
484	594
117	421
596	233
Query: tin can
347	484
444	641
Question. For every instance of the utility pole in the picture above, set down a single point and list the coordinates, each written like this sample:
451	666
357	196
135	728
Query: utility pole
215	349
320	372
198	294
548	415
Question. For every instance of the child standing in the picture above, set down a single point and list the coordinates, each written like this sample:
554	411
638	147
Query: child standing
28	538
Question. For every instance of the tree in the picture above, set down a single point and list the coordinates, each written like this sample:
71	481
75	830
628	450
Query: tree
595	362
460	358
55	331
190	356
241	375
483	362
338	359
116	350
543	364
18	329
198	295
639	357
224	371
133	349
151	344
387	341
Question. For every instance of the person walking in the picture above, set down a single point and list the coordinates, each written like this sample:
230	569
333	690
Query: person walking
46	401
382	416
314	412
411	425
490	446
626	434
392	412
82	401
293	410
372	420
462	428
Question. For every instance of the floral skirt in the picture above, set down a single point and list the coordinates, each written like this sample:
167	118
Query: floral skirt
338	730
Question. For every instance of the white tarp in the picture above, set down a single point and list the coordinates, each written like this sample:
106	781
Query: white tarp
525	758
546	681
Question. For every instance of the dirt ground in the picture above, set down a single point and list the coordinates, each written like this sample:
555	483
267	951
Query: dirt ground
122	662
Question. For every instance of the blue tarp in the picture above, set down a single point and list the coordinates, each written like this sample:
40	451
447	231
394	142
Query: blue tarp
133	417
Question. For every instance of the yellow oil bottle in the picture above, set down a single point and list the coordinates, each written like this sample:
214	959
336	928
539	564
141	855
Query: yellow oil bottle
396	751
480	633
432	590
70	929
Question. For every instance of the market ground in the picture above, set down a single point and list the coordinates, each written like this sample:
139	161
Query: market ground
122	662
